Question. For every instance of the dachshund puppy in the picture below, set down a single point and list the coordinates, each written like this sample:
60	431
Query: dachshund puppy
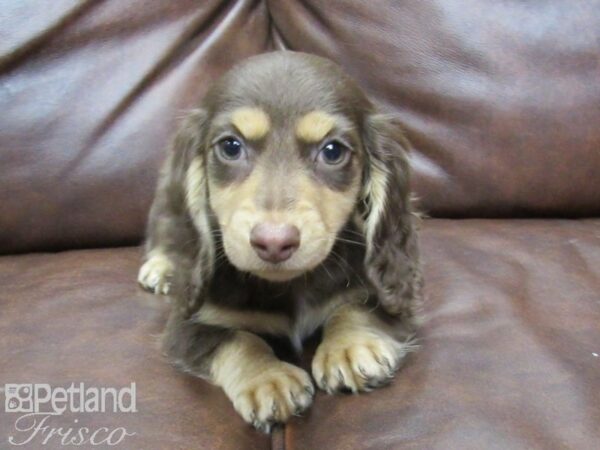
284	208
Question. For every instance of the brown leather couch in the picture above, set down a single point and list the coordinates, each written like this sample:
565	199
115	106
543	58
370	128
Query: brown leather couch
501	100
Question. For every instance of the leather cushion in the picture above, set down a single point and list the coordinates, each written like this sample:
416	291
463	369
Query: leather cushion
80	317
512	323
510	351
90	94
500	101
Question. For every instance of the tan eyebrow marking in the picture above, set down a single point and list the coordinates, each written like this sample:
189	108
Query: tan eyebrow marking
253	123
314	126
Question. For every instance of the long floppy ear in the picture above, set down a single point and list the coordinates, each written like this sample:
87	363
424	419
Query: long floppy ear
178	224
392	254
193	135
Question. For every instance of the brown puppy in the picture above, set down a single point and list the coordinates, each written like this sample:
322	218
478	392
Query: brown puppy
284	207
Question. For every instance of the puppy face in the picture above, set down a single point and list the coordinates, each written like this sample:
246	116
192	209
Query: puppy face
284	161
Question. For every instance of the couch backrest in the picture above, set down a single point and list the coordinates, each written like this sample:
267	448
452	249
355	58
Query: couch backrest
501	100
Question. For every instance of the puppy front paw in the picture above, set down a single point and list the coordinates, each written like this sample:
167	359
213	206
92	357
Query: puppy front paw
155	274
358	362
279	392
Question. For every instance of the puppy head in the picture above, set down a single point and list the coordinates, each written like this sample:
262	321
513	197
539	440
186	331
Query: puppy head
288	150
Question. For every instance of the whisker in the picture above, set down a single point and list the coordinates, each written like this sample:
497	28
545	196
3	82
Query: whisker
327	271
349	241
357	233
343	261
334	260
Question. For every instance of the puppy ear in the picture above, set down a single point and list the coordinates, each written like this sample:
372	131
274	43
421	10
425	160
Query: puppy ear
389	224
192	138
180	212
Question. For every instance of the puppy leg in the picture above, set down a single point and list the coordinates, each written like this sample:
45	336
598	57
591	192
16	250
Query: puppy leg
172	241
263	389
358	352
170	247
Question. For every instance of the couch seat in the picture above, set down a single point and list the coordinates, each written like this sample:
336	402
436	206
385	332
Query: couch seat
509	358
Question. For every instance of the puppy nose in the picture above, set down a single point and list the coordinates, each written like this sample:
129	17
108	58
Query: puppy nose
274	242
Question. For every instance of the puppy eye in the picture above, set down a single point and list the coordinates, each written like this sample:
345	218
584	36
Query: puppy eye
230	149
334	153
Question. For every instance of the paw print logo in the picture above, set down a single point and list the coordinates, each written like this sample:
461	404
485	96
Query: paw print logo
19	398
